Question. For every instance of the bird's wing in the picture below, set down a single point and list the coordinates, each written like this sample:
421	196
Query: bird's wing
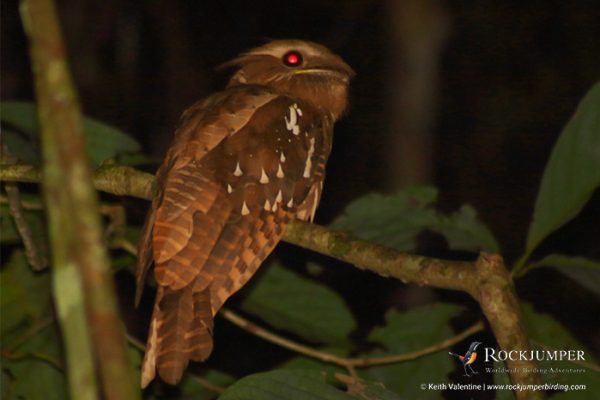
218	216
265	172
203	126
244	192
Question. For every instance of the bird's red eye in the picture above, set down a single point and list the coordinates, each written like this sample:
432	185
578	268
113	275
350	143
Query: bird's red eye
292	58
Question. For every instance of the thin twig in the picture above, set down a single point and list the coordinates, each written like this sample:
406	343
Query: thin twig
201	380
115	214
34	258
25	204
124	244
352	371
345	361
20	355
32	331
116	220
471	330
109	210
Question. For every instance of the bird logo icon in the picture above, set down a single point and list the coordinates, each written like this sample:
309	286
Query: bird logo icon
469	358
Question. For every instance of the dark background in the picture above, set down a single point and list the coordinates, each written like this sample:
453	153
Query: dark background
468	96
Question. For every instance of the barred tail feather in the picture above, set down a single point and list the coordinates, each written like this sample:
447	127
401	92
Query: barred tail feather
180	331
199	339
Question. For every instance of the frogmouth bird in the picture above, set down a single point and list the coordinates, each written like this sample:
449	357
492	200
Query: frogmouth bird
244	162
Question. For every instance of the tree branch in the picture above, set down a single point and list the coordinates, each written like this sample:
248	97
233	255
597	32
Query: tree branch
82	281
485	279
34	258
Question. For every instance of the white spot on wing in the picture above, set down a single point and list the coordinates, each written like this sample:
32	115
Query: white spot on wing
267	205
280	173
308	165
263	177
282	157
229	188
245	210
291	124
290	203
238	170
279	197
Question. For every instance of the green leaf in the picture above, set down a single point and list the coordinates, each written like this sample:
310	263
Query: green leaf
464	231
33	370
366	390
548	334
191	388
30	342
137	159
25	298
584	271
393	221
396	221
21	146
103	141
410	331
20	114
308	363
289	301
284	384
572	173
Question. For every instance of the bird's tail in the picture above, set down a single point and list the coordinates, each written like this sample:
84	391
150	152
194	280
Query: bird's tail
180	331
453	354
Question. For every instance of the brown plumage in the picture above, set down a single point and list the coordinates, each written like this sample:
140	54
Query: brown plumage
244	162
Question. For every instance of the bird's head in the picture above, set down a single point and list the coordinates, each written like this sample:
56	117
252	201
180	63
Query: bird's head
299	69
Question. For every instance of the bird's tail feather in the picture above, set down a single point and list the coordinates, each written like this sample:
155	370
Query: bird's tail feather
180	331
453	354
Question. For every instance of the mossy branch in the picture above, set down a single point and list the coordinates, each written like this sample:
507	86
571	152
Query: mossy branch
82	281
485	279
